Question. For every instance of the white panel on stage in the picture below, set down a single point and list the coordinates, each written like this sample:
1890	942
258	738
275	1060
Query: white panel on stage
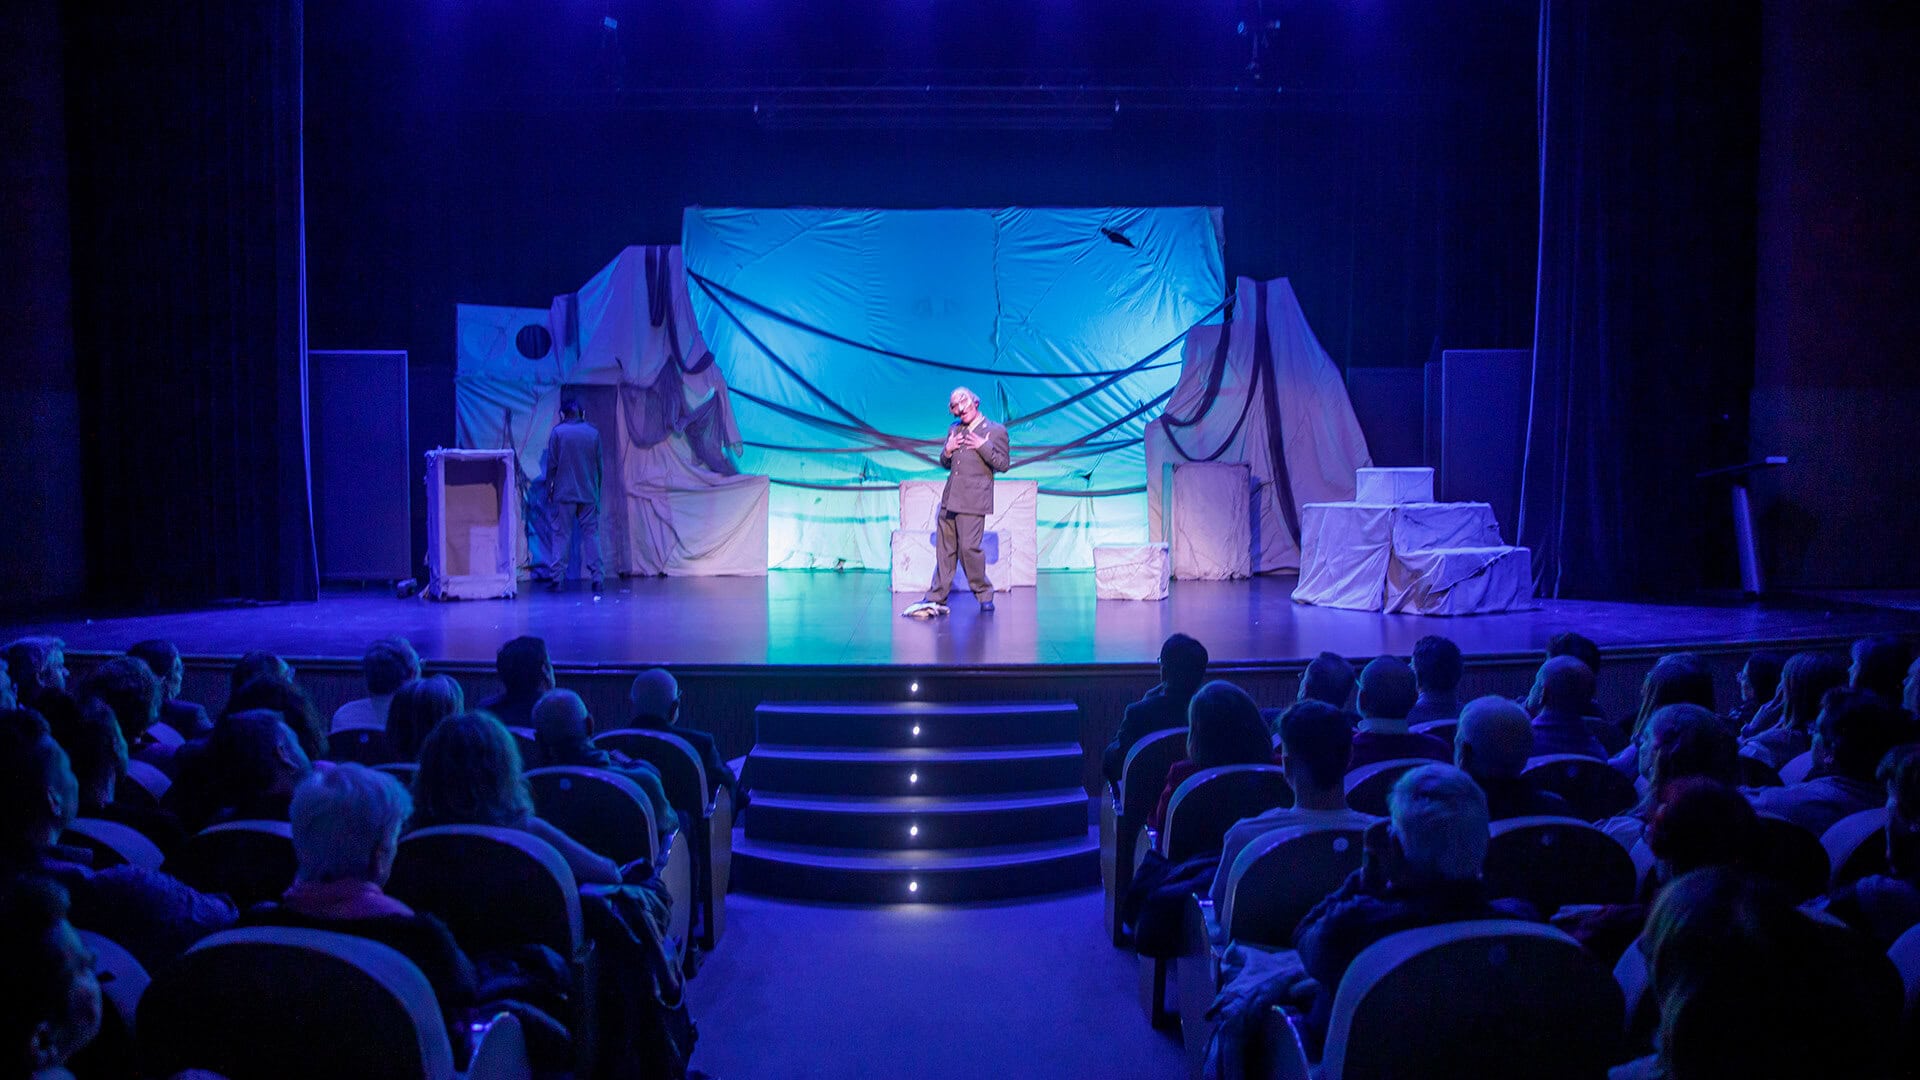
1401	485
1131	572
1212	534
693	531
473	516
914	562
1016	505
1461	581
1347	549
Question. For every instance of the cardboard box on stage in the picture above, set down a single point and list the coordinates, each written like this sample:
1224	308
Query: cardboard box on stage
1015	517
915	559
473	518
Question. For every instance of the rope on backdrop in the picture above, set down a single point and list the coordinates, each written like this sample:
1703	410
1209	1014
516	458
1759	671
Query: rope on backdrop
1094	493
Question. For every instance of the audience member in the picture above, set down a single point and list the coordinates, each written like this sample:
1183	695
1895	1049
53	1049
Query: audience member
185	717
1854	730
1223	728
564	730
1581	648
1492	745
1183	667
1910	691
417	708
148	912
1386	695
258	762
129	689
284	697
50	1005
654	704
1879	664
1787	722
1759	680
251	666
1564	688
1884	906
1419	868
525	673
8	700
1328	678
389	664
470	775
37	665
1680	741
1675	679
1315	741
1437	669
97	753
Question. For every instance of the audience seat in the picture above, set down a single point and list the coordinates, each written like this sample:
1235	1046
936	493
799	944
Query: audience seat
1633	977
706	813
1856	846
404	771
1595	789
164	734
1367	786
279	1002
1757	773
1793	857
362	746
1488	999
1122	813
1797	768
113	1051
113	844
1905	954
1444	730
1553	861
249	861
144	787
610	814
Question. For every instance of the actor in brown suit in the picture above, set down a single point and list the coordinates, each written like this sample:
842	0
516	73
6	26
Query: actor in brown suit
976	449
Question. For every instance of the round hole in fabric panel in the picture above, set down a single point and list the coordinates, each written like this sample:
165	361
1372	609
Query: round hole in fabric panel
534	341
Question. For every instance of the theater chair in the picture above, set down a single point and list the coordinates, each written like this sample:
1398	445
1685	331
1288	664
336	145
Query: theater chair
164	734
1271	886
497	888
1595	789
1905	954
1202	809
1554	861
362	746
611	815
1122	813
1791	856
1489	999
112	844
277	1002
1368	785
1444	730
706	815
250	861
403	771
1797	768
146	786
1856	846
123	981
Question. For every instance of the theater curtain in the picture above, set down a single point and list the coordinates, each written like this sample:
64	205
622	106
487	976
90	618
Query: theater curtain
184	124
1643	335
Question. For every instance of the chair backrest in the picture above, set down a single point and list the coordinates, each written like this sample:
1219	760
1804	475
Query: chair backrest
113	844
1756	773
164	734
362	746
1595	789
1489	999
1144	775
1791	856
1633	977
1209	802
681	772
250	861
123	980
1856	846
493	887
1279	877
146	785
529	746
1797	768
1905	954
603	810
1552	861
404	771
1444	730
278	1002
1368	785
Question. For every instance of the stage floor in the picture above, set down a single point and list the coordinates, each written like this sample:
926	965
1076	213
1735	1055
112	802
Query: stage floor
828	619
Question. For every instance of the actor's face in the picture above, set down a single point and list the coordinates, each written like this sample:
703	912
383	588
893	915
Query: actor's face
962	405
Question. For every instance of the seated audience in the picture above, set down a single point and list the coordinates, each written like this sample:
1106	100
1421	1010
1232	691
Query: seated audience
163	659
50	1006
1680	741
417	708
564	730
127	687
1419	868
1879	664
1853	732
654	704
251	666
1581	648
1675	679
1787	721
152	915
258	763
1492	745
1564	688
525	673
1437	669
470	775
1315	741
1223	728
1759	680
1183	667
285	698
1386	695
97	753
7	698
37	665
1884	906
1910	691
1328	678
389	664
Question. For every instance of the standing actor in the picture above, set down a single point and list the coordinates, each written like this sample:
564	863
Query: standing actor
573	493
976	449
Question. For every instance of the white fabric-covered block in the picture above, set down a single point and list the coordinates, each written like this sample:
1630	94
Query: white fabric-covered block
1461	581
919	501
1393	486
473	518
914	561
1344	551
1212	534
1016	517
1131	571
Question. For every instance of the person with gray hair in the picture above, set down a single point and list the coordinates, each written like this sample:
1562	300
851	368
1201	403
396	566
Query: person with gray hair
1492	745
654	704
976	449
563	728
1421	867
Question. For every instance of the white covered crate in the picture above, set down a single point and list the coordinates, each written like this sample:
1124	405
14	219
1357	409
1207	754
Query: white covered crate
1131	571
1393	486
473	522
1016	517
915	559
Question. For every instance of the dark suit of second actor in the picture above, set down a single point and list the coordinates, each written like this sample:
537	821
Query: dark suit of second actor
962	517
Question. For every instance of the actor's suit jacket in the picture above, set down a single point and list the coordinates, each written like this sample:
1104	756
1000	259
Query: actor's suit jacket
970	471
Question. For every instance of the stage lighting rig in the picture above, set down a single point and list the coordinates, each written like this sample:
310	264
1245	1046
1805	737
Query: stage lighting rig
1261	28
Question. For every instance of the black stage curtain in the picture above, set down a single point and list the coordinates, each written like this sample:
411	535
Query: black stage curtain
1643	333
184	141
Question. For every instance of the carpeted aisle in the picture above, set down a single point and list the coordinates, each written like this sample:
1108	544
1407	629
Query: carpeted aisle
1014	990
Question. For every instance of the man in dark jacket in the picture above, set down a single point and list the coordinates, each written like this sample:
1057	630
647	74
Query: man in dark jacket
1183	667
655	703
573	493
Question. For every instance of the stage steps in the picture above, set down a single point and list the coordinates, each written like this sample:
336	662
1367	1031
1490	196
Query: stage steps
915	802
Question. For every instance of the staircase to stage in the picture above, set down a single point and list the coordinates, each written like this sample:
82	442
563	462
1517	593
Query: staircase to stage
915	802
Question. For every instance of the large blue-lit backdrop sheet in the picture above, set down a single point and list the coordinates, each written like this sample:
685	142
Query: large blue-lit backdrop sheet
841	332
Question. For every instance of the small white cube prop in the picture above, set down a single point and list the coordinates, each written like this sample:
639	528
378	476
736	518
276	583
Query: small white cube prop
1391	487
1212	535
914	561
1131	571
